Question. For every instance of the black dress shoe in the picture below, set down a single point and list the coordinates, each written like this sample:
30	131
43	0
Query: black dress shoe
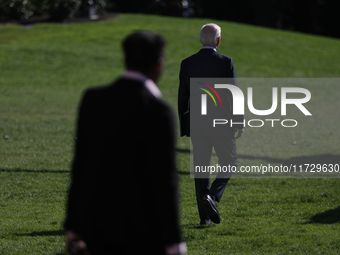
211	208
206	222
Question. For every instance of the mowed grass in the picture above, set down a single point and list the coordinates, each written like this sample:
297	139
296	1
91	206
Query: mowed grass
43	72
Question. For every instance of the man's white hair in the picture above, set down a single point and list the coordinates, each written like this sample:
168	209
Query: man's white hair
209	34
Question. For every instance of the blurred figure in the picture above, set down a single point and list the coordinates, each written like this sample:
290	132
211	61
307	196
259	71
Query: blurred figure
123	195
208	63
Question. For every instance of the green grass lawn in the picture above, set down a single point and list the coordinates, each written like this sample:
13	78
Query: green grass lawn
43	72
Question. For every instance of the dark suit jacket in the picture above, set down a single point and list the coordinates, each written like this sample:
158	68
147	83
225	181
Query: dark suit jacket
123	192
207	63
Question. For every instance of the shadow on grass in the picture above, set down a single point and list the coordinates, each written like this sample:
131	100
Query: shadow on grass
183	172
34	171
183	150
197	226
57	171
45	233
190	151
331	216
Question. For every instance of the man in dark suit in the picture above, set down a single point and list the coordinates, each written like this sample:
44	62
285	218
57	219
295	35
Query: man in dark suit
123	193
208	63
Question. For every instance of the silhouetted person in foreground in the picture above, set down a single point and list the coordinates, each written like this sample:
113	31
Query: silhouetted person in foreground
123	195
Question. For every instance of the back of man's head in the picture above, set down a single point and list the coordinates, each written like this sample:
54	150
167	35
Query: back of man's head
142	50
210	34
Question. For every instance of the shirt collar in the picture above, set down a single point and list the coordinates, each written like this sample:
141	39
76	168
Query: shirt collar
148	83
209	47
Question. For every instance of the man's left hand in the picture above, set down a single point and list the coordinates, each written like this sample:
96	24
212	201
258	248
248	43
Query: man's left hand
239	132
80	246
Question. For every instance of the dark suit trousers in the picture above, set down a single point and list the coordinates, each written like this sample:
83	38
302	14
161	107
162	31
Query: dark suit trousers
225	149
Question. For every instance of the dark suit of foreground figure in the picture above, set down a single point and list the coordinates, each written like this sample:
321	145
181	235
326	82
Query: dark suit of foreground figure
123	194
207	63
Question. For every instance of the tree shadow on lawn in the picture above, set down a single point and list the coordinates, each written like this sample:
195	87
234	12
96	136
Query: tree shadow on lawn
183	150
197	226
34	171
331	216
44	233
183	172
